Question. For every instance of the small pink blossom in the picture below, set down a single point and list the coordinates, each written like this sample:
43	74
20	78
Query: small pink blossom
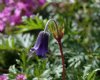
2	25
21	77
3	77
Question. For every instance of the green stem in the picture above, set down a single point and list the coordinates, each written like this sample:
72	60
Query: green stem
46	26
63	61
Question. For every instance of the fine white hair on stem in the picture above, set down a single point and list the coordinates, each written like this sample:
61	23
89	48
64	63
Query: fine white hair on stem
46	26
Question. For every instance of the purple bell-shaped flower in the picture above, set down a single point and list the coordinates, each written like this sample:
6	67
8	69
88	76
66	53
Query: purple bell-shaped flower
41	45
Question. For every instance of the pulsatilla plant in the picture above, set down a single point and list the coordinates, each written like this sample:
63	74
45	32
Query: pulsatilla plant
41	45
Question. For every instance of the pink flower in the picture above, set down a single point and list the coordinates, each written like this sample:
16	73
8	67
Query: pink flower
21	77
8	2
14	20
3	77
13	11
2	26
1	1
42	2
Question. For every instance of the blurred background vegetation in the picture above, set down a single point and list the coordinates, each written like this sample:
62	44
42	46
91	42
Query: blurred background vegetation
81	42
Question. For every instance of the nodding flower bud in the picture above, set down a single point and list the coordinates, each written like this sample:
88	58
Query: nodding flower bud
41	45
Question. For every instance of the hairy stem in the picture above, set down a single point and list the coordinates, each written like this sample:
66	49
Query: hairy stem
63	61
56	26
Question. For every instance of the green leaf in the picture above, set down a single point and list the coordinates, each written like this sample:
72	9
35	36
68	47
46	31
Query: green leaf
91	76
29	24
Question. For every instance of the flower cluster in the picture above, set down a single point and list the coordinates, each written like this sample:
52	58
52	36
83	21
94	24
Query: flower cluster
3	77
13	10
18	77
